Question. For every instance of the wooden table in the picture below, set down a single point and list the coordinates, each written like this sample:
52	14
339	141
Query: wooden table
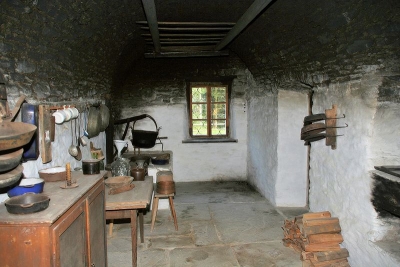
126	205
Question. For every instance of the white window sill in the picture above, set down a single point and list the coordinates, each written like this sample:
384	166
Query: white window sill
210	140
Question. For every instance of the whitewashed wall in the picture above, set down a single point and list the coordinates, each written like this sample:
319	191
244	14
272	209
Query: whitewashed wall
291	183
60	155
262	144
197	161
277	161
339	179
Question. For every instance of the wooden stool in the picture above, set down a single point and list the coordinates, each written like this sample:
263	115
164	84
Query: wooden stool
156	197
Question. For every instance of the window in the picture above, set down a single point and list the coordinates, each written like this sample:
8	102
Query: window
208	109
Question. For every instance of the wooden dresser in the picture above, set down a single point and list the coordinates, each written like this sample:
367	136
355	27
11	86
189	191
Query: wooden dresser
69	233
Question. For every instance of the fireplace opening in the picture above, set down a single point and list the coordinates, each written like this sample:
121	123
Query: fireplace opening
386	190
385	197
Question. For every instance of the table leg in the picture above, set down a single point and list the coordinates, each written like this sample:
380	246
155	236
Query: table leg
154	212
110	227
141	222
134	237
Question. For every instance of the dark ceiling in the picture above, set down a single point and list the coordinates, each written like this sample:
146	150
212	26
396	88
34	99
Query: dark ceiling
100	40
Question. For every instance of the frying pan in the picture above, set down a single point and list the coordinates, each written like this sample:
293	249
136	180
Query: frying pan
10	160
94	122
318	126
311	133
27	203
105	117
318	117
317	137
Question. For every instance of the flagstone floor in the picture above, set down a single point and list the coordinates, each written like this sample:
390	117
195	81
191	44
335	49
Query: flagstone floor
220	224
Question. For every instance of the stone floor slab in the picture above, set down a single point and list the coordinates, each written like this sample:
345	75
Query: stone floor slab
247	222
192	212
271	254
205	234
169	242
221	256
153	258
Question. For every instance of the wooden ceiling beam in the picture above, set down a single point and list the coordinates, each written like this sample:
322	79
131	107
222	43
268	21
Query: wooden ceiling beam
192	48
151	15
245	19
178	35
185	42
208	29
190	23
185	39
187	54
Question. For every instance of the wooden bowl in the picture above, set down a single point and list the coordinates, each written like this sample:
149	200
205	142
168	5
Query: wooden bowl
118	181
53	174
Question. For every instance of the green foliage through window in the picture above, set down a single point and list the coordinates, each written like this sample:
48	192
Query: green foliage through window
209	111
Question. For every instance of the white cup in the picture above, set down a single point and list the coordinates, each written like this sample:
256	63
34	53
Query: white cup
59	116
68	114
75	112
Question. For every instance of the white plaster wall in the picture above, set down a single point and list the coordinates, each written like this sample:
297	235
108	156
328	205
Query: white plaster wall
60	155
339	179
262	143
291	182
197	161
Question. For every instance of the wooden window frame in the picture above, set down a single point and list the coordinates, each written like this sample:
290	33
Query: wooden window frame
209	82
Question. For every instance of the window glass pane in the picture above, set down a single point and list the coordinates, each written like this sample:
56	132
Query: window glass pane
218	94
218	111
199	94
218	127
199	127
199	111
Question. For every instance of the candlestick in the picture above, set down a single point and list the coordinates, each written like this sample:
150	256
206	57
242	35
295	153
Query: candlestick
68	170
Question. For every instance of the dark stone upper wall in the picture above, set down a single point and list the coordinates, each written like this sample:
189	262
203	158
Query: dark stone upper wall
322	41
163	81
64	49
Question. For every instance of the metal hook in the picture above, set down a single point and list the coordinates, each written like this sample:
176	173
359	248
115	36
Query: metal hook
346	125
344	116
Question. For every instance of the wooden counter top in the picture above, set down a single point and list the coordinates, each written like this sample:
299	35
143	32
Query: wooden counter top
58	199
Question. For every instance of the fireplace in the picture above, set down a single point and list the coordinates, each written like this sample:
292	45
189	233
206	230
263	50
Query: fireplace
386	190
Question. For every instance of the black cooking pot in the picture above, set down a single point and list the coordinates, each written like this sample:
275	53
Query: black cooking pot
142	138
91	166
27	203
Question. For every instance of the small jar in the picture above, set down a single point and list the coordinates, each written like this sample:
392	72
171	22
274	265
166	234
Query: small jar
120	167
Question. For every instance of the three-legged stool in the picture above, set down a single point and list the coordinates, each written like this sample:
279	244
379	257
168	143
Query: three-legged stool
156	197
